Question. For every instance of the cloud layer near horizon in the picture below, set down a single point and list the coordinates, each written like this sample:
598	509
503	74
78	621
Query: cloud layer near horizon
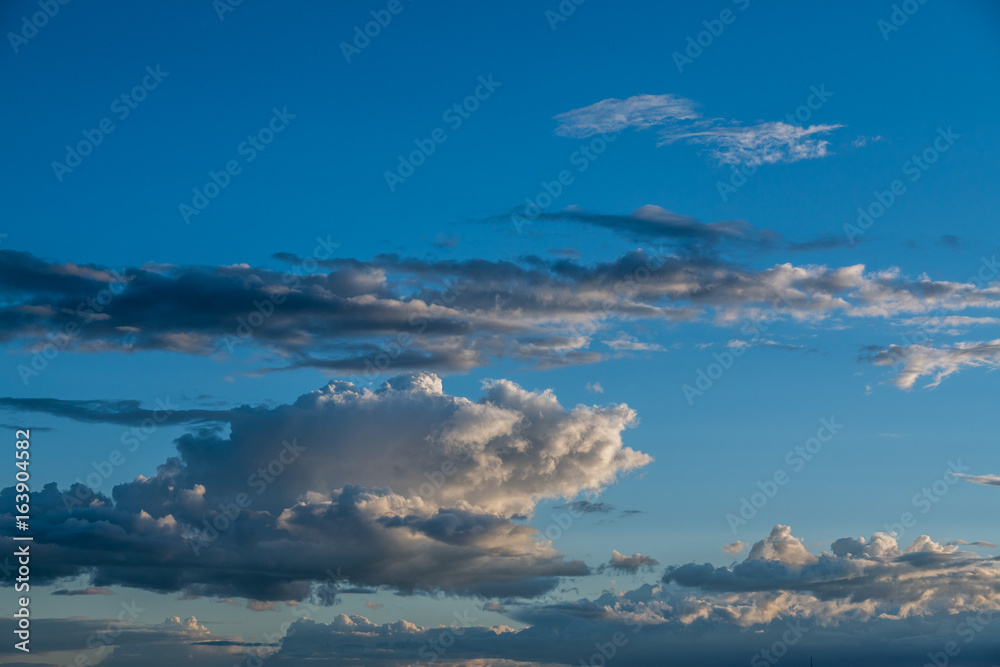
781	599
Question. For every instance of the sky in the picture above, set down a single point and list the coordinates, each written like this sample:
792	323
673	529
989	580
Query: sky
527	333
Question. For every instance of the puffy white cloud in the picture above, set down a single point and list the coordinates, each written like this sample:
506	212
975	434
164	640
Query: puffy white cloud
734	548
859	580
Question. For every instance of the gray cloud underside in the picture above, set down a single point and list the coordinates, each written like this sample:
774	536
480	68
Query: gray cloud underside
863	602
398	313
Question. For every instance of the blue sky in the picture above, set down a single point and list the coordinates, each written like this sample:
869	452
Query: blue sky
890	332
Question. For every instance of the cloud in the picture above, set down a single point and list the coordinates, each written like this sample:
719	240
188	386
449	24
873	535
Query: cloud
112	642
614	115
627	343
859	580
343	478
864	601
587	507
988	545
730	142
622	563
392	314
863	140
734	548
765	143
953	325
84	591
689	235
595	387
869	600
988	480
915	361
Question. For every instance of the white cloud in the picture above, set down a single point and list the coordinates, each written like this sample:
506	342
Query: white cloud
766	143
626	343
915	361
987	480
613	115
730	142
735	548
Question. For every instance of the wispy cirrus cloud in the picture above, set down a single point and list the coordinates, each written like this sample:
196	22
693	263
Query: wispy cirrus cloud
613	115
986	480
728	141
916	361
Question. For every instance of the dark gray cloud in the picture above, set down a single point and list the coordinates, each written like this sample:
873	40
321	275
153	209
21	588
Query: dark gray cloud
587	507
868	602
91	590
628	564
393	313
686	235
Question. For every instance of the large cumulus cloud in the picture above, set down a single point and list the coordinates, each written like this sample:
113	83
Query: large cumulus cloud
406	487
